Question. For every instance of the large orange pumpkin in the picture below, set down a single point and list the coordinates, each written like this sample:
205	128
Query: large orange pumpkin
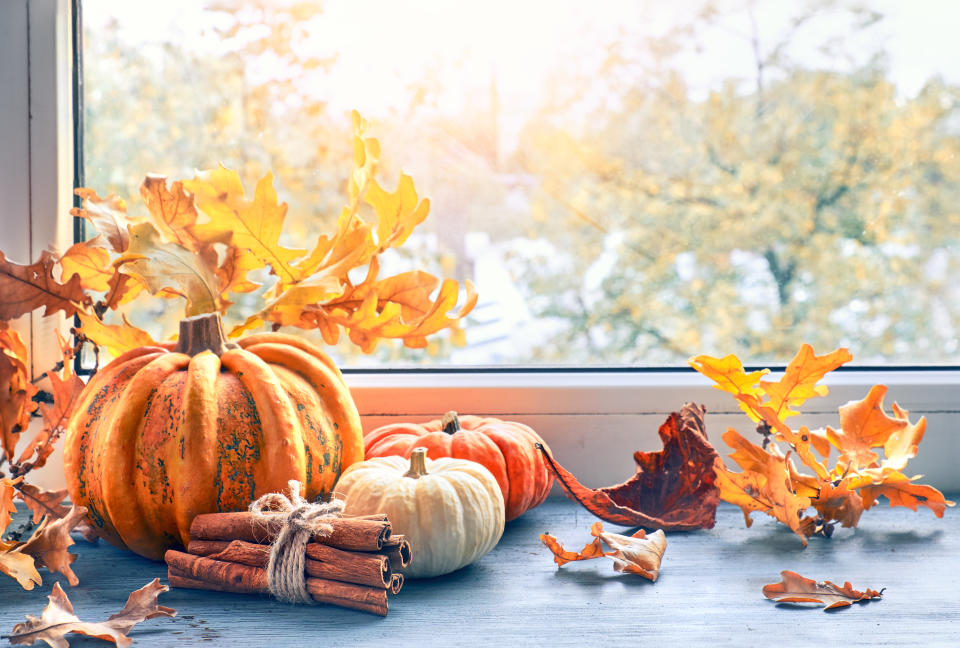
164	433
506	449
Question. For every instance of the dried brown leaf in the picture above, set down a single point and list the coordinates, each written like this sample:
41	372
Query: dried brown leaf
58	620
674	489
48	544
28	287
637	554
18	565
794	588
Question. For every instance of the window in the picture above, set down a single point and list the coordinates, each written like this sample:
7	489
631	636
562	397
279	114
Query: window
617	410
625	187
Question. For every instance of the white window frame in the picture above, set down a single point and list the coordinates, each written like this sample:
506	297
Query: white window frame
593	420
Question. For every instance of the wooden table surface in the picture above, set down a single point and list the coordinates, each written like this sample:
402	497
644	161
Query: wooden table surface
708	593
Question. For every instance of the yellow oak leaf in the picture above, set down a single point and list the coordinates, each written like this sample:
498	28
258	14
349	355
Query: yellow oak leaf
253	225
166	267
115	338
730	377
799	380
398	213
90	263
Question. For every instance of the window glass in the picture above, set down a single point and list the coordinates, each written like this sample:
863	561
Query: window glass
626	183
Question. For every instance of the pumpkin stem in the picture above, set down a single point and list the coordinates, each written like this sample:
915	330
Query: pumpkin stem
418	464
451	422
203	333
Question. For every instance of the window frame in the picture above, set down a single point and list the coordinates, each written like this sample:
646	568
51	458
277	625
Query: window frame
592	418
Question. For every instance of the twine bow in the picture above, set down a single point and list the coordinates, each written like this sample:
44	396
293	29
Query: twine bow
301	520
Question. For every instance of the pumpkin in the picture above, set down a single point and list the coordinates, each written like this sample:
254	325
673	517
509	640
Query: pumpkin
507	449
164	433
450	510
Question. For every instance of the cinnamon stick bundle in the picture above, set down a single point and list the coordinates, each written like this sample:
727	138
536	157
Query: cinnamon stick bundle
199	572
352	534
322	561
354	566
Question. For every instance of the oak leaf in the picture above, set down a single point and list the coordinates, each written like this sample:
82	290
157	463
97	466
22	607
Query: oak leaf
92	264
58	619
254	225
117	338
673	489
27	287
172	210
18	565
65	387
770	481
794	588
16	390
48	544
108	216
171	268
864	426
637	554
50	503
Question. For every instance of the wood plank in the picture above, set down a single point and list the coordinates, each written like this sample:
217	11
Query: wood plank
708	592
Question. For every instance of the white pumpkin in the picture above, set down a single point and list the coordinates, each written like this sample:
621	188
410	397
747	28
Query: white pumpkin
450	510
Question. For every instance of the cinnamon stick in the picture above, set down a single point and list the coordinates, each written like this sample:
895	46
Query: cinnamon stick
352	534
396	582
400	554
322	561
198	572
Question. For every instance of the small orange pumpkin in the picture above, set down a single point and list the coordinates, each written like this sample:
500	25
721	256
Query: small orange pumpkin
505	448
164	433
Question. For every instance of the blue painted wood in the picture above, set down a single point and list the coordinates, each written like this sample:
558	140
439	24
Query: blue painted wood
708	593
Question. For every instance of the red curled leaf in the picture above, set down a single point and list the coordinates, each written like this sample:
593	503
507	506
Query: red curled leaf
673	489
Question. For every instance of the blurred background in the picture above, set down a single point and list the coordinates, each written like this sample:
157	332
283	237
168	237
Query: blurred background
627	183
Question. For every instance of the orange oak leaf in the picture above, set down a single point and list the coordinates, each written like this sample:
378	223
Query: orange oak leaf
16	390
864	426
899	490
794	588
838	502
48	544
172	210
639	554
108	216
673	489
7	507
765	485
770	482
65	387
27	287
58	619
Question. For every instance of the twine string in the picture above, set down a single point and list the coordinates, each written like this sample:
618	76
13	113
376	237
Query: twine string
286	575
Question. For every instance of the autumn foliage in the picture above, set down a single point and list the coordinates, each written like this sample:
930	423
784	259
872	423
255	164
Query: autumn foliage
770	481
204	241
